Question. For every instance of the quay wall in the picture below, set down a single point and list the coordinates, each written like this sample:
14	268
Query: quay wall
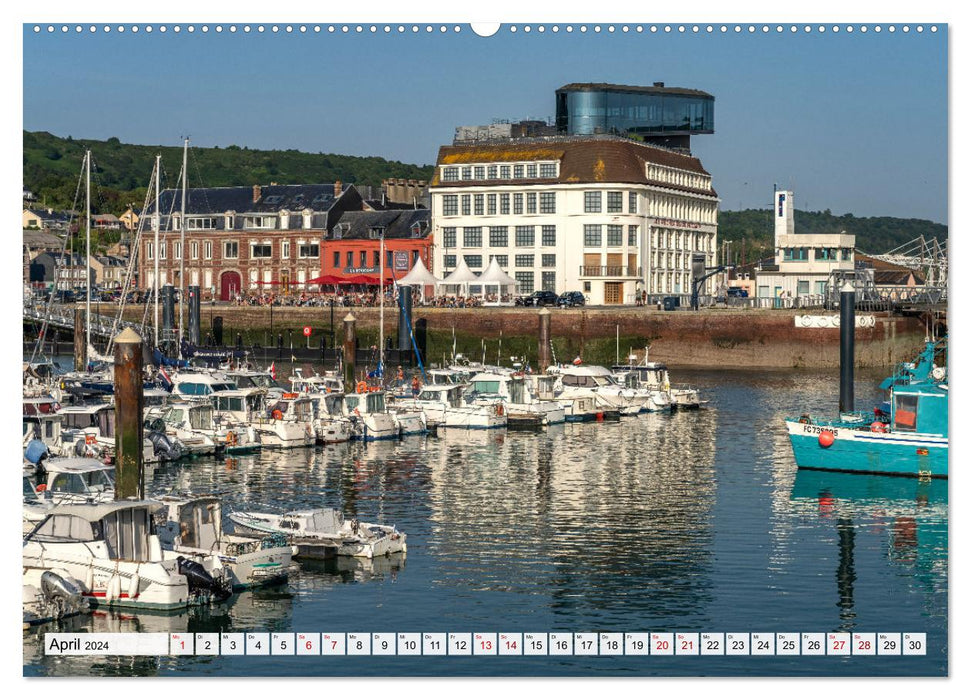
705	339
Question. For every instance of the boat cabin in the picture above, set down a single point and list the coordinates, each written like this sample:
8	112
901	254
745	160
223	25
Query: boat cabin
78	479
189	416
920	408
201	385
193	522
124	527
372	402
240	403
511	388
291	407
78	419
450	395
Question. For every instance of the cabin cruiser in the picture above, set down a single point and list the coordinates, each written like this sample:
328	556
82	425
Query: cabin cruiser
523	408
655	400
234	412
110	552
255	379
287	423
317	384
369	417
191	385
193	526
575	410
76	480
445	406
89	431
654	376
331	426
189	423
324	532
612	400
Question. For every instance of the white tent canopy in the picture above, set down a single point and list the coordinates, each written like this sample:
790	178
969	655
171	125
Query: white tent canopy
494	280
419	276
461	276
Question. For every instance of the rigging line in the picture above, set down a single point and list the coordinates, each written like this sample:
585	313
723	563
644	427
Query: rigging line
132	264
39	344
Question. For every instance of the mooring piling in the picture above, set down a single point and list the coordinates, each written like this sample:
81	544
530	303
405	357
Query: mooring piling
80	344
350	353
129	405
847	345
544	339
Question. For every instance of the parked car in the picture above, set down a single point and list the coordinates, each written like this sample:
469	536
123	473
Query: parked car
737	292
571	299
538	298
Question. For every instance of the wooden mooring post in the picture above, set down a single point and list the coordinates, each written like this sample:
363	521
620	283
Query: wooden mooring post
544	339
129	405
350	353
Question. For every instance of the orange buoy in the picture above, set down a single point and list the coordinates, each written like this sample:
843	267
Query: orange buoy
826	438
878	426
278	414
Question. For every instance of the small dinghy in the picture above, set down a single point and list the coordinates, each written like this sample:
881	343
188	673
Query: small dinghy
324	533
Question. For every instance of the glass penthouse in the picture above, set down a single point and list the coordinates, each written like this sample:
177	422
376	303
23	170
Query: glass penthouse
666	116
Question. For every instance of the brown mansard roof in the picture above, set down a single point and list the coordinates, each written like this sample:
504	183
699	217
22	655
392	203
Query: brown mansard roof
581	161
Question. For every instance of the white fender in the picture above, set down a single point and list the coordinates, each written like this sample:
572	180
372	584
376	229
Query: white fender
114	589
132	591
89	579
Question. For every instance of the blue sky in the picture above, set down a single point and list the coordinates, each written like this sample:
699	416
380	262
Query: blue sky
852	122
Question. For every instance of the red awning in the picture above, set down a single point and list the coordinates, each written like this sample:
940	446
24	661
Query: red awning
327	279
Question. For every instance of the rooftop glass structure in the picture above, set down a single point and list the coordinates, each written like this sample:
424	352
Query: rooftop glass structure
601	108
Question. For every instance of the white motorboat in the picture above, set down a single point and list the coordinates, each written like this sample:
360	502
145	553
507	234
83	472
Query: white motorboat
655	400
590	381
76	480
369	416
235	412
89	431
193	526
42	422
287	423
654	376
323	532
444	405
523	408
108	551
257	379
189	423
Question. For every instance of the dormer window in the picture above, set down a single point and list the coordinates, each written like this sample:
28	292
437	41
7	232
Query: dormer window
376	232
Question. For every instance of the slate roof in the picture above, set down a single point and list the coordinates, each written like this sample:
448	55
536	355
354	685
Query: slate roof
41	239
582	160
273	198
397	223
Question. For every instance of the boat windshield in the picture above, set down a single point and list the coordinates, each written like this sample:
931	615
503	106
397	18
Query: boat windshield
30	495
200	418
486	387
174	416
375	403
66	528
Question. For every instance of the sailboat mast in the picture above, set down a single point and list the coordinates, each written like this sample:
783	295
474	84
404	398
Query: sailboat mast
185	160
381	321
87	266
157	219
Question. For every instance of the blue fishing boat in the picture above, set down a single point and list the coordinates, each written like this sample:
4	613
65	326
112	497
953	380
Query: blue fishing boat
907	435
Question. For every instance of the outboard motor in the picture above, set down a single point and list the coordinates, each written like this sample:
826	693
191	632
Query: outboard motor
200	580
61	595
165	447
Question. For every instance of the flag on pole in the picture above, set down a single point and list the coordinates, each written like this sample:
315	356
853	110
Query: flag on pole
273	370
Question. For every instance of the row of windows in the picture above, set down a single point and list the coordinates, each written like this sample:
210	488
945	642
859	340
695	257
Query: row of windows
676	240
475	261
499	171
499	203
683	209
802	254
525	236
662	173
230	250
255	222
593	202
593	235
362	258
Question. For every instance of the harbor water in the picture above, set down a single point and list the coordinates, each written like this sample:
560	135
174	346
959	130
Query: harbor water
694	521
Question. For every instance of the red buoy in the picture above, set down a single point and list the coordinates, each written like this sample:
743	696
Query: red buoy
878	426
826	438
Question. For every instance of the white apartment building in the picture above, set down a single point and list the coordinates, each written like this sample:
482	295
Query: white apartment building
607	216
803	261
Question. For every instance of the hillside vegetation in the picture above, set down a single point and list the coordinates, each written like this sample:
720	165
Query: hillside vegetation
120	172
52	166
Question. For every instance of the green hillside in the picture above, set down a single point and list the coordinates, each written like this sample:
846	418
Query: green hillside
874	234
121	172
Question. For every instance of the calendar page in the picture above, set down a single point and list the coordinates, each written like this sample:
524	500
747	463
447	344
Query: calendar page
535	349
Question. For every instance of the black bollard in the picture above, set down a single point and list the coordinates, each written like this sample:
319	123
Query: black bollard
847	345
404	317
129	405
217	330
